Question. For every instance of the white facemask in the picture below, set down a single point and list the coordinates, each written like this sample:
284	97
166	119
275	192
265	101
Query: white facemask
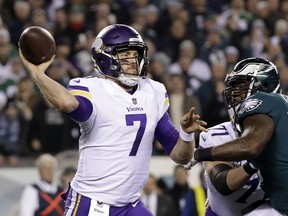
128	80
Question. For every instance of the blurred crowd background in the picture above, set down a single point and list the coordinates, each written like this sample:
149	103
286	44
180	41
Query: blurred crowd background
192	45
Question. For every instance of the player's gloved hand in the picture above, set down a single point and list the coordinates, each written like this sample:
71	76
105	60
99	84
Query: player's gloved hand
191	164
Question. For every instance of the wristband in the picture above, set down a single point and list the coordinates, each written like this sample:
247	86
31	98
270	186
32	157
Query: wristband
203	154
249	168
185	136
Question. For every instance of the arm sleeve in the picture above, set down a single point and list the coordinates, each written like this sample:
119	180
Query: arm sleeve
166	133
83	95
84	110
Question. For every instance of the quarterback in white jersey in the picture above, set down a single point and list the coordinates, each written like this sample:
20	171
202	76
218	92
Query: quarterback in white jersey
120	113
120	141
239	202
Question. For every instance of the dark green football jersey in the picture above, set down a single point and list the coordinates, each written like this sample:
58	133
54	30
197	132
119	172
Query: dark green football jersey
273	160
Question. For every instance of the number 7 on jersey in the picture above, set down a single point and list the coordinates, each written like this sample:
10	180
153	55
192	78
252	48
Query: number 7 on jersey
130	119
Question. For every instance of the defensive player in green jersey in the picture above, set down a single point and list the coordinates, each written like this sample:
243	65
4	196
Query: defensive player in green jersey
260	114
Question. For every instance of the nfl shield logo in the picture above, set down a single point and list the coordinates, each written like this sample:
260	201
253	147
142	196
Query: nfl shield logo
134	100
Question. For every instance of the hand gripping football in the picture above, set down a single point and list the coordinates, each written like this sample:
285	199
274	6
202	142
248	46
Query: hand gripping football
37	44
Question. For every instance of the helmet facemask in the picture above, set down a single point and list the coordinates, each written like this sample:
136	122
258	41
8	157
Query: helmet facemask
234	94
236	91
123	76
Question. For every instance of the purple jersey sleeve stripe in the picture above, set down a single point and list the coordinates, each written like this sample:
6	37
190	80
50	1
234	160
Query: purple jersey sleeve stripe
83	88
84	110
166	133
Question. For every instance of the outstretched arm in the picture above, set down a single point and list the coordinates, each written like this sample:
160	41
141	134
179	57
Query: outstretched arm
54	93
258	130
183	151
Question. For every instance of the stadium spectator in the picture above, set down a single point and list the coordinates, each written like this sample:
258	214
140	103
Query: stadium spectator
82	57
39	17
181	189
60	23
7	54
180	100
26	98
213	46
283	71
66	177
51	131
20	21
232	57
10	130
195	71
64	63
103	11
168	13
280	36
159	203
158	66
200	13
234	20
44	196
210	95
18	71
170	43
283	9
76	25
37	4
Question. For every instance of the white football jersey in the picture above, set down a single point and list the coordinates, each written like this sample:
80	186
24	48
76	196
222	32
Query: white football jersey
251	192
115	146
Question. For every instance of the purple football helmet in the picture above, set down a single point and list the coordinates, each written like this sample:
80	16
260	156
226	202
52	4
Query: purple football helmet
112	40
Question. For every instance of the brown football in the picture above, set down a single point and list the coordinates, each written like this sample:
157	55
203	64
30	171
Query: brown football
37	44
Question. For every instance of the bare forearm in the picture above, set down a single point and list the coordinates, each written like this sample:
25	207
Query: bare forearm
183	151
55	94
237	178
236	150
258	130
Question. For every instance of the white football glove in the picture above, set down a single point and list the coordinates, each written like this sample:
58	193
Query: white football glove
191	164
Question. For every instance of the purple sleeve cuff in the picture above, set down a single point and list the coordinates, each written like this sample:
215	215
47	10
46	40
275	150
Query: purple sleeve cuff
84	110
166	133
